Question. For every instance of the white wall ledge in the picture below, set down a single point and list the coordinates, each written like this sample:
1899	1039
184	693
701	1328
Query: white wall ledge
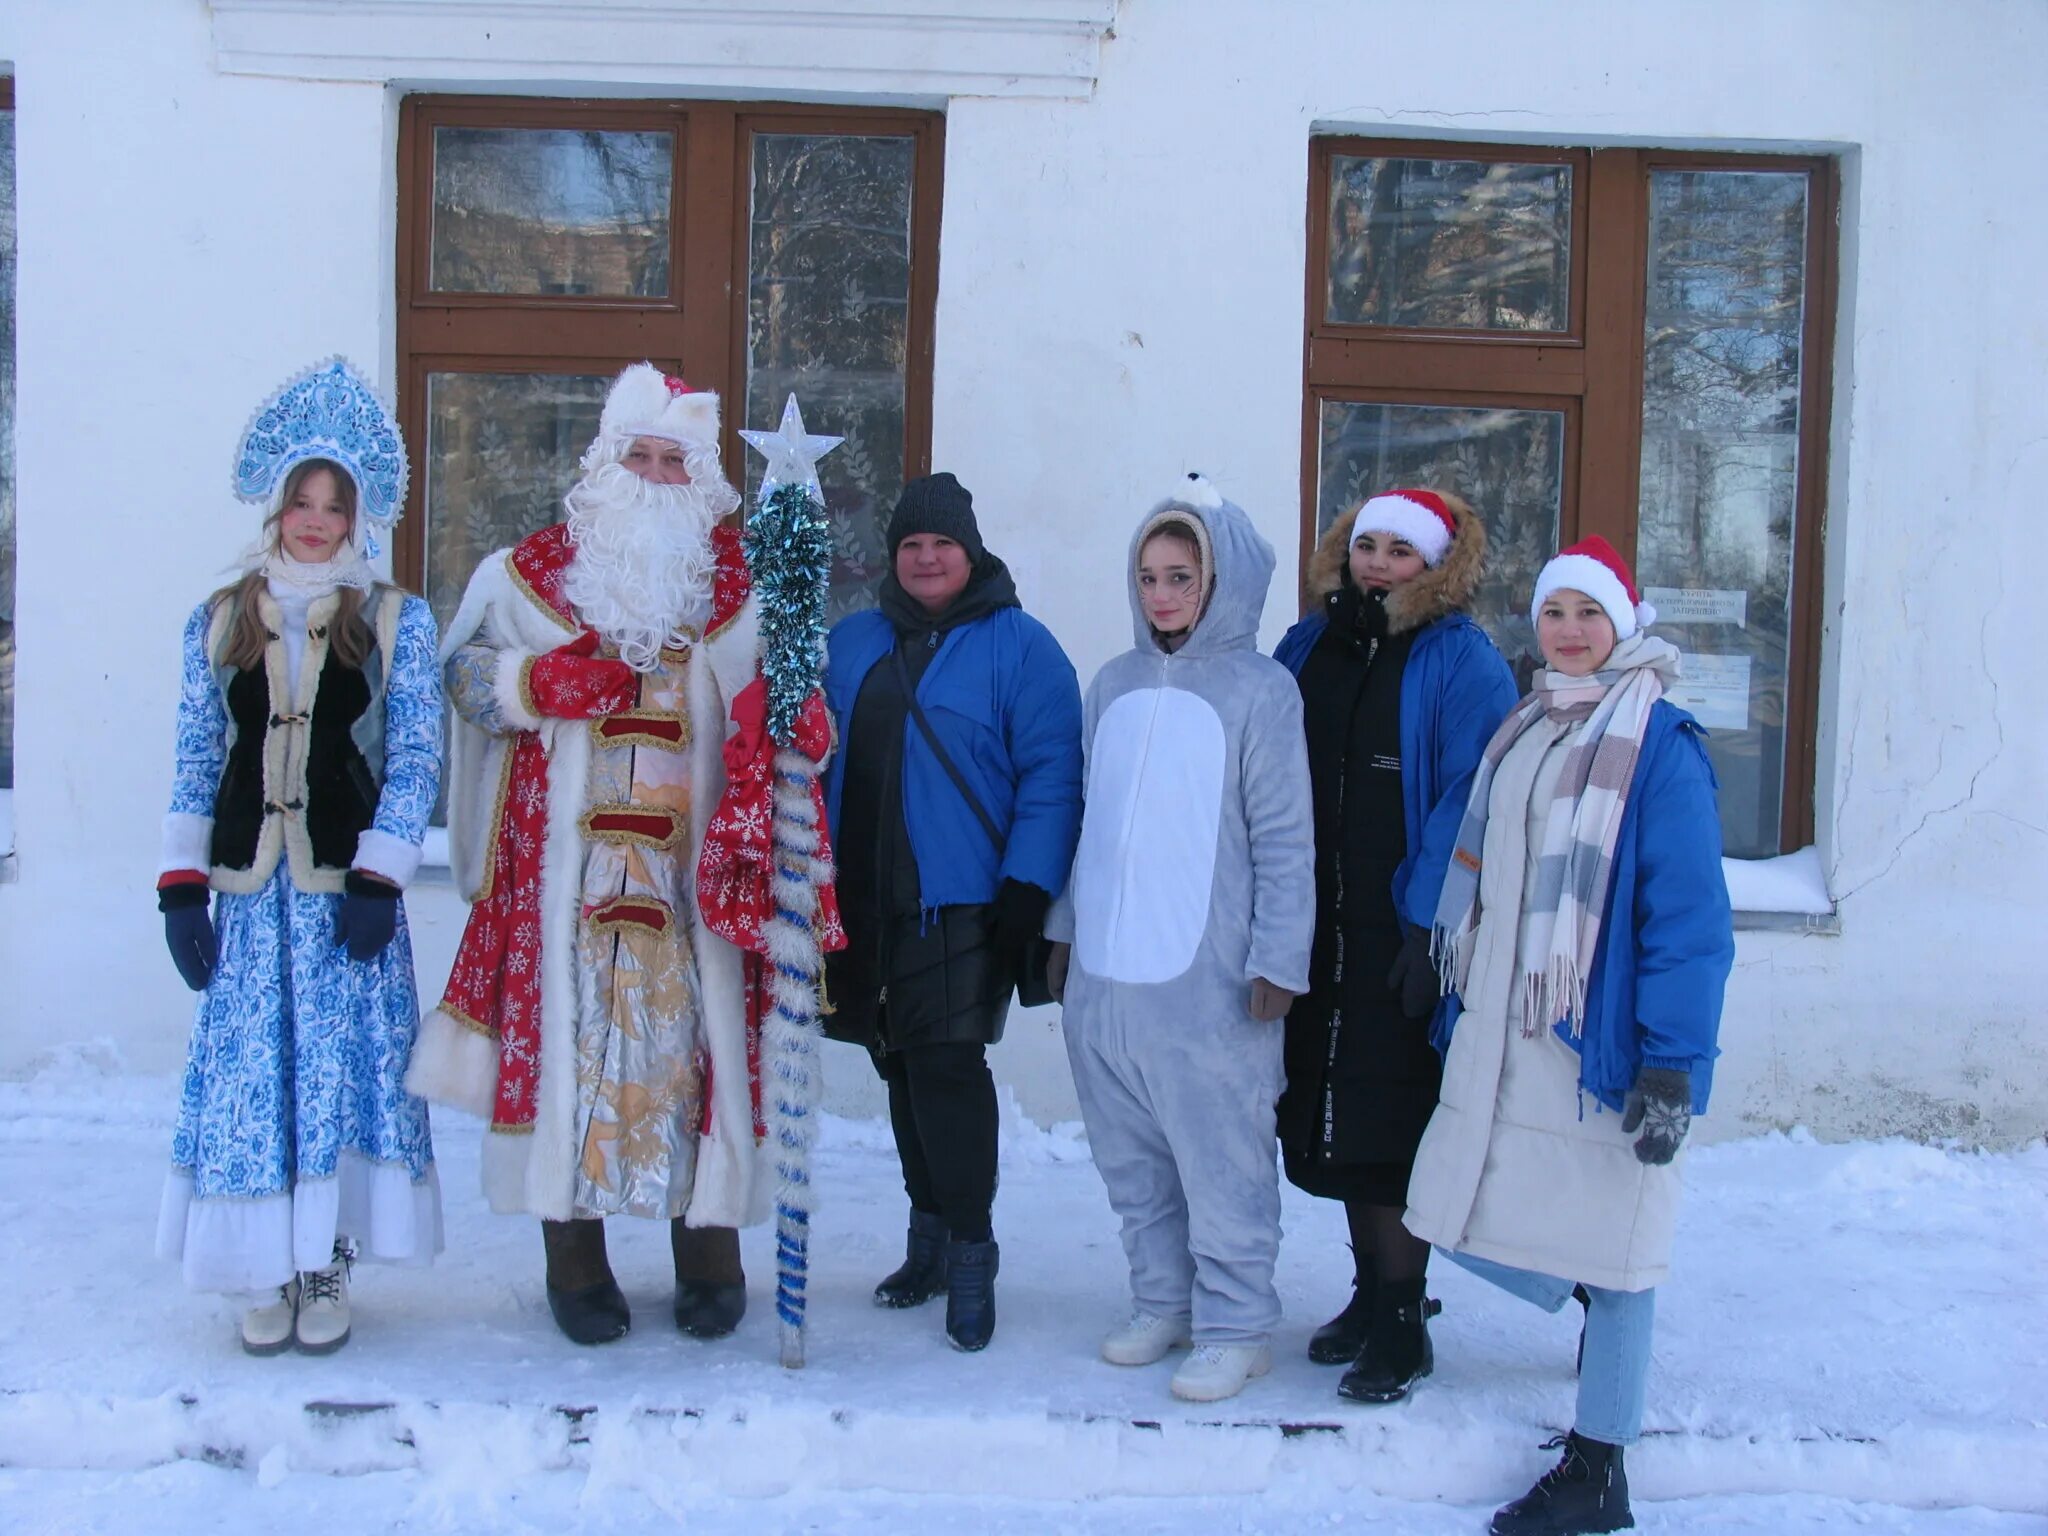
906	48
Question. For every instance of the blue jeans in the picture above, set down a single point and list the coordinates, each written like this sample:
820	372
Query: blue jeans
1616	1369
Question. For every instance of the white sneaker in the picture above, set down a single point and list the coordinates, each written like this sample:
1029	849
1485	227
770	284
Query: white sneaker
1212	1372
323	1306
267	1326
1144	1339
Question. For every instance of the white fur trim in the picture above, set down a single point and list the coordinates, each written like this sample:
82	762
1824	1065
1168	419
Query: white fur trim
1582	573
453	1064
507	672
550	1180
1408	520
379	853
640	405
505	1167
187	844
1196	491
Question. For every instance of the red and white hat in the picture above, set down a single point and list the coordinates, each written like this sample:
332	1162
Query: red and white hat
645	402
1591	566
1422	519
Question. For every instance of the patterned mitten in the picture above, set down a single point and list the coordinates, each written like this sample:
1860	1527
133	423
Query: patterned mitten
572	682
1661	1103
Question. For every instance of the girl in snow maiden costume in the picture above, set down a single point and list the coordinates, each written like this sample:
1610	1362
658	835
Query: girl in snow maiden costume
1189	914
1585	940
308	758
1400	693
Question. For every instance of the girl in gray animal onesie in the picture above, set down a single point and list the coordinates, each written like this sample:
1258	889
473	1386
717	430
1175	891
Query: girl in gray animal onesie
1189	915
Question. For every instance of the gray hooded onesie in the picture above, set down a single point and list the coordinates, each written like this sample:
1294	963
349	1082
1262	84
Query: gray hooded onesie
1195	875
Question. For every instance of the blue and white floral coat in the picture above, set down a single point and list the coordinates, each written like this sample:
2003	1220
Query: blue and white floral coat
294	1126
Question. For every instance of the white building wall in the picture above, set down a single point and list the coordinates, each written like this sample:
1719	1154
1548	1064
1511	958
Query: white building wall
1121	299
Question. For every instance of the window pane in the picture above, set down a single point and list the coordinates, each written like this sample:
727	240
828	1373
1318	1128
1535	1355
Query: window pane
828	316
1508	464
501	450
7	248
1719	492
551	210
1450	244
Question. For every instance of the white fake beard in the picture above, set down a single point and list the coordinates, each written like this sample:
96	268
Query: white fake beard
643	565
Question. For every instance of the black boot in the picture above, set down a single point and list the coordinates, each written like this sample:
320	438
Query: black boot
922	1274
1397	1352
586	1301
711	1288
1586	1491
1339	1340
970	1293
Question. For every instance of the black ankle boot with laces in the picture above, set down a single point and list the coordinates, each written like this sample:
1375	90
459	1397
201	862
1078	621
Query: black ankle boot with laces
1586	1492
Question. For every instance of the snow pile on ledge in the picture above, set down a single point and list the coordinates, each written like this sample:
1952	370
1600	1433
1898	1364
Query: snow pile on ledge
1854	1338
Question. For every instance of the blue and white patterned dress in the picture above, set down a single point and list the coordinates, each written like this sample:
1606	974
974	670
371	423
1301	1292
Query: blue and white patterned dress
295	1125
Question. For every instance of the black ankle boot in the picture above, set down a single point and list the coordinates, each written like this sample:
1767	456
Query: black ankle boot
970	1294
1587	1491
1339	1340
922	1274
711	1287
1397	1351
585	1300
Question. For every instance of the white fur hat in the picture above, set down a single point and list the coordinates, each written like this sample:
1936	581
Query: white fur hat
645	402
1421	519
1593	566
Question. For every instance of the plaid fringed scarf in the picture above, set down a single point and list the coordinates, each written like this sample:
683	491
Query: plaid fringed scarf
1576	861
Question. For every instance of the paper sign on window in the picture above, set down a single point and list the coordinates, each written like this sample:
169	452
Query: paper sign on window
1714	689
1698	605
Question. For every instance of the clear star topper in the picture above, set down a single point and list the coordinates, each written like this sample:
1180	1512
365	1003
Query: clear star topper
791	452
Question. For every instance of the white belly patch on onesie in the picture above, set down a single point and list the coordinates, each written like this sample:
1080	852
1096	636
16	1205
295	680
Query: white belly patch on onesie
1147	859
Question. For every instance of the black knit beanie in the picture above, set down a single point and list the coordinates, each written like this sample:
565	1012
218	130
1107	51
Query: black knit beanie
936	504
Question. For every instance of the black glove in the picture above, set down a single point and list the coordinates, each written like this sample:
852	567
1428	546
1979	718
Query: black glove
1661	1103
1020	918
189	933
1413	974
368	916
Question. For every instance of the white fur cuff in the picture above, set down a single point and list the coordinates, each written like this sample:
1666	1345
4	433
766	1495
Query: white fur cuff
510	673
453	1064
187	844
379	853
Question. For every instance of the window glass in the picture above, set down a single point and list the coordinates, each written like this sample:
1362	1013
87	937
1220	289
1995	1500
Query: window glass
551	211
501	450
828	318
1449	244
1722	357
1508	463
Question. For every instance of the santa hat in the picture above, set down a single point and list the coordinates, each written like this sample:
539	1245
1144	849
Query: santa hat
1591	566
645	402
1420	519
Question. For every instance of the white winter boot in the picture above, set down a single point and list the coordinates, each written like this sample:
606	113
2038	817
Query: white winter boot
267	1326
1212	1372
323	1305
1144	1339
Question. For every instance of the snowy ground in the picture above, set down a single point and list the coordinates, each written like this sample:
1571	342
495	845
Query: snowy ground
1855	1340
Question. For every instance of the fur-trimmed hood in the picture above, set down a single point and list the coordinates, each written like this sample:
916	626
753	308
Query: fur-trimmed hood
1446	589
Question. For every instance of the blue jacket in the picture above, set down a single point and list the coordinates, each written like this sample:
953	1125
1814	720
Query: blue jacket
1667	940
1455	691
1002	696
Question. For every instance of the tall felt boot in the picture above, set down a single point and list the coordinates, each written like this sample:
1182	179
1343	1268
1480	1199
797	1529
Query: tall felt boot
971	1293
1586	1492
586	1301
711	1287
922	1274
1397	1351
1339	1340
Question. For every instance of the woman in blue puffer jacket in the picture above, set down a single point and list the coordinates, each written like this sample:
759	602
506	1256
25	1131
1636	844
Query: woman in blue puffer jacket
949	856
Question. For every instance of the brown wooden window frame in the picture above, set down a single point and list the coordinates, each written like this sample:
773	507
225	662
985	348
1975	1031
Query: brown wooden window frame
699	328
1595	366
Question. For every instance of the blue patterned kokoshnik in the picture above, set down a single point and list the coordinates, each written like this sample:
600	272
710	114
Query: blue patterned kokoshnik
327	412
